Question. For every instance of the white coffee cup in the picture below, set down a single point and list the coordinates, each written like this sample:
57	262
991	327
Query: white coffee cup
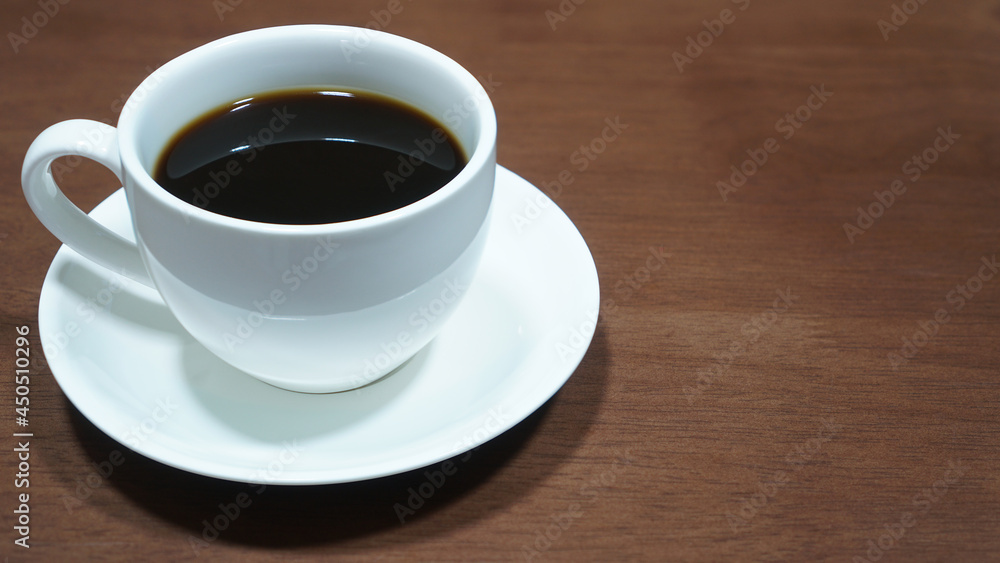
311	308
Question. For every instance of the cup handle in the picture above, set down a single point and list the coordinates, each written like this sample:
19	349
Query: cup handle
96	141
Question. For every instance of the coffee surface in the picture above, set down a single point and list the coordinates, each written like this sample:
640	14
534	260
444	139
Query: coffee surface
309	157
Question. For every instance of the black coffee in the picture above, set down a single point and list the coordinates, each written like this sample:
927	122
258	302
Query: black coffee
309	157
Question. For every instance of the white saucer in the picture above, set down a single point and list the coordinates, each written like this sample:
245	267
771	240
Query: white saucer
523	328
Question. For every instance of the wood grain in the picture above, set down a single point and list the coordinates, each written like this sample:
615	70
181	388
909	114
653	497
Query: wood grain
711	420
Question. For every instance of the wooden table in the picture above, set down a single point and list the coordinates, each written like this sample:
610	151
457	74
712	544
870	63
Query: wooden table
795	221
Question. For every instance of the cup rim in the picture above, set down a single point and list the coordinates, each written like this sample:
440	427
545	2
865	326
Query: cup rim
480	155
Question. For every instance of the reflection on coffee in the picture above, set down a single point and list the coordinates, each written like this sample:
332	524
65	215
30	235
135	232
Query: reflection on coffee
309	157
